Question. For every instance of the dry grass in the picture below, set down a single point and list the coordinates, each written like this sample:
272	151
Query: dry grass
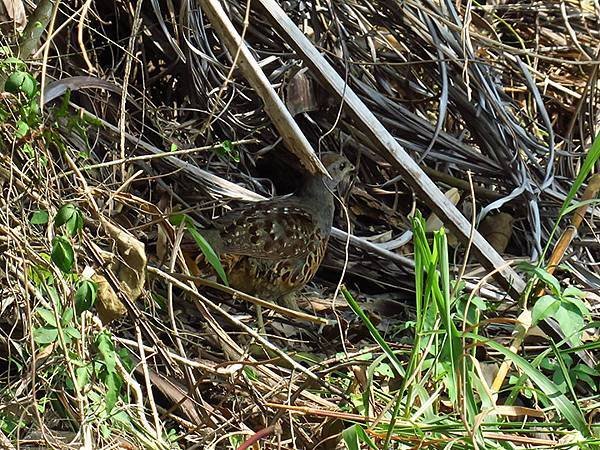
167	125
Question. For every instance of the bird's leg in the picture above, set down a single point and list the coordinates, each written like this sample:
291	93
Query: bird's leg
260	323
289	301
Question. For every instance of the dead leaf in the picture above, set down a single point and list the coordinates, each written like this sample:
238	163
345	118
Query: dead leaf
433	222
108	305
489	370
360	376
300	94
130	266
162	243
497	230
16	12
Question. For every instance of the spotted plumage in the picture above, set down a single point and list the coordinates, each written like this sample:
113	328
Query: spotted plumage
273	248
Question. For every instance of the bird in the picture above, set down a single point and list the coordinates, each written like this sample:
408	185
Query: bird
271	249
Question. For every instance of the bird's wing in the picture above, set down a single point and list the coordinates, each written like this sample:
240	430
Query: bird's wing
268	230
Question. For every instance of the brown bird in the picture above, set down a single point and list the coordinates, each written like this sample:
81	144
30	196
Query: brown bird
271	249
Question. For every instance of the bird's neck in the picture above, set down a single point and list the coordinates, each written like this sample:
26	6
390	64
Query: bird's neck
318	196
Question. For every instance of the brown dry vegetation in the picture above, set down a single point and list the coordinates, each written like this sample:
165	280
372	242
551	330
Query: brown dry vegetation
147	112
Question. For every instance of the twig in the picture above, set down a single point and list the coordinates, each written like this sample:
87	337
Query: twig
205	301
291	134
239	295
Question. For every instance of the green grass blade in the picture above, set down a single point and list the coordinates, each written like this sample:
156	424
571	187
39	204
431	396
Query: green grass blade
564	406
590	160
373	330
208	252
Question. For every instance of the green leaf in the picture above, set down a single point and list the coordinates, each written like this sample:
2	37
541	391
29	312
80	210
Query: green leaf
558	378
177	219
31	112
582	368
479	302
173	147
549	280
577	205
586	379
586	374
208	252
39	217
227	149
364	437
82	376
53	295
126	359
21	81
40	275
251	373
544	307
45	335
105	431
564	406
28	149
581	306
73	333
385	370
107	350
47	316
22	129
350	437
70	216
476	305
62	254
571	322
85	296
124	419
572	291
113	384
235	440
354	435
11	60
67	317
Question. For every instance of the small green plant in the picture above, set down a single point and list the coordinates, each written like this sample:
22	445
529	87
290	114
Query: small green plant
48	331
71	217
39	217
85	296
436	394
21	83
63	254
355	435
566	373
107	370
564	305
9	423
227	149
81	374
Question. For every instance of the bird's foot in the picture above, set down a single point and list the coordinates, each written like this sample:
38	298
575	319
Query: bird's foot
289	301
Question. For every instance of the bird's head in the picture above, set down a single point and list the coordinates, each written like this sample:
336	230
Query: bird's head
338	166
